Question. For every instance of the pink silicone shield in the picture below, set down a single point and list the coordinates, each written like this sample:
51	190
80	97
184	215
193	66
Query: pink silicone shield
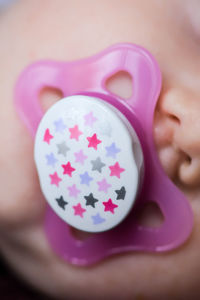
88	77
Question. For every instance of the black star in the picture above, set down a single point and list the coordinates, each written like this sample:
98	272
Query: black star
90	200
121	193
61	202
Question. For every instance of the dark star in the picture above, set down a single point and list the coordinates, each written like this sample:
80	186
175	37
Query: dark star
90	200
61	202
121	193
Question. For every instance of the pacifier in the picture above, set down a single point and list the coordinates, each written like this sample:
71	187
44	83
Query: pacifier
95	156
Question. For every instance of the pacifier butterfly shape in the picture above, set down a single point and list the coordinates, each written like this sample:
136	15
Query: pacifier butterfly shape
96	158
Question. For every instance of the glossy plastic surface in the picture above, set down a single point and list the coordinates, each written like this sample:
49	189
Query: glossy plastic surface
88	77
85	153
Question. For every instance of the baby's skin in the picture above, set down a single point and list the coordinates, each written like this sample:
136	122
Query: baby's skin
70	30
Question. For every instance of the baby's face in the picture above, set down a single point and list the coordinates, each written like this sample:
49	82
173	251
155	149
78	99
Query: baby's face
69	30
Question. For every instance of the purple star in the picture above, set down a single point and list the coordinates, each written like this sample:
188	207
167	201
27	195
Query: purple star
85	178
59	125
80	157
51	160
112	150
73	191
97	219
90	119
103	185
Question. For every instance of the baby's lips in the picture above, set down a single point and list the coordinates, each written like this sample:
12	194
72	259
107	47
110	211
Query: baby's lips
85	153
90	150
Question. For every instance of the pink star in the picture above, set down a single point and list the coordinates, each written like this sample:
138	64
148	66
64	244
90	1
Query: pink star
116	170
109	206
89	119
80	157
93	141
68	169
73	191
103	185
47	136
75	132
55	179
78	210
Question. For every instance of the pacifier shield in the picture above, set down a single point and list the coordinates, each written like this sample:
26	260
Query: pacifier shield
85	153
64	131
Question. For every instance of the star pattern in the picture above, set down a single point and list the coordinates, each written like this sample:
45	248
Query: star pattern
90	119
112	150
97	164
109	206
75	133
68	169
90	200
103	185
59	125
85	178
62	148
61	202
116	170
55	179
51	160
78	210
97	219
80	157
121	193
47	136
93	141
73	191
80	163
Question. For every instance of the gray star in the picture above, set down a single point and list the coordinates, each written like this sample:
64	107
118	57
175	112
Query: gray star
61	202
62	148
97	164
90	200
121	193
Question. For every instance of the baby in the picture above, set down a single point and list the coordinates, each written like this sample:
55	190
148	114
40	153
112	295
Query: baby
70	30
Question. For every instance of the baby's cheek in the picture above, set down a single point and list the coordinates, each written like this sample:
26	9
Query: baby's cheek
20	197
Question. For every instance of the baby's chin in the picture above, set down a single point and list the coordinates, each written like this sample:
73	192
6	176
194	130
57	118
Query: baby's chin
125	276
132	275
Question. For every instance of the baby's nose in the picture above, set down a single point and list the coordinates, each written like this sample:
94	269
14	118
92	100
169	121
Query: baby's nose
177	135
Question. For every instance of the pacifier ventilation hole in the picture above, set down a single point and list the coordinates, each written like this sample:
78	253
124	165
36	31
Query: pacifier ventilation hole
49	96
120	84
79	234
150	215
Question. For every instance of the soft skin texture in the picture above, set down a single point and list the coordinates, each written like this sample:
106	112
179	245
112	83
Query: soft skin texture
69	30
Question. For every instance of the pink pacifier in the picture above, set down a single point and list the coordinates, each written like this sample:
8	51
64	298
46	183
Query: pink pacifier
96	158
